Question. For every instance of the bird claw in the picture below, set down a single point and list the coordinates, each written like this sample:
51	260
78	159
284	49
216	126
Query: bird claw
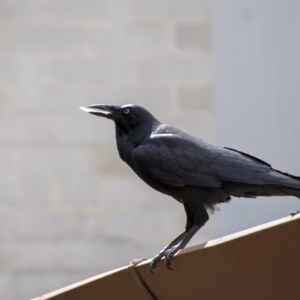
168	256
153	265
168	266
168	253
154	262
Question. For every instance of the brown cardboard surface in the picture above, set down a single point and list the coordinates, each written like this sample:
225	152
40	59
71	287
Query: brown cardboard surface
259	263
123	283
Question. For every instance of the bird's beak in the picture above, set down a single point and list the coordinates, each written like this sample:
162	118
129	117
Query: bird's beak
101	110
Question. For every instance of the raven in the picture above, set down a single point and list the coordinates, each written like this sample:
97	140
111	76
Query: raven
194	172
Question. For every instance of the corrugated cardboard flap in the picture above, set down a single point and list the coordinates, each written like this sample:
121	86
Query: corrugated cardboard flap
259	263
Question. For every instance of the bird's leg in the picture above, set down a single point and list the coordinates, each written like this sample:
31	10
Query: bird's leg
200	218
189	225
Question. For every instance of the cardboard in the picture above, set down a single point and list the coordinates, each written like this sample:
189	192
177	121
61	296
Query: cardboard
259	263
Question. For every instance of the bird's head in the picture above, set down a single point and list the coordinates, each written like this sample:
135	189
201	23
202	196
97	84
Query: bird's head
126	117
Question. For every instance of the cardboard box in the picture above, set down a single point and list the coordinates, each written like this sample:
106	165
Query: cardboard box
259	263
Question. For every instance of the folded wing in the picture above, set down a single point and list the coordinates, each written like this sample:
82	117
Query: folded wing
180	159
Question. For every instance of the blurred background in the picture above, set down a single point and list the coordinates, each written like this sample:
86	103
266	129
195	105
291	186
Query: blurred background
227	71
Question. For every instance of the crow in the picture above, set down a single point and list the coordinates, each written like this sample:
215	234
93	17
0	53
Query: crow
196	173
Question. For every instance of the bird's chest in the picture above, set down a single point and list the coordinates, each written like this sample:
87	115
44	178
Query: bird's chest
126	144
125	149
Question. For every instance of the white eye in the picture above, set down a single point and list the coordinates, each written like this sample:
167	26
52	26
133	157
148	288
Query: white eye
126	111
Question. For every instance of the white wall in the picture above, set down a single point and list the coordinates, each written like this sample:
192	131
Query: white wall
256	48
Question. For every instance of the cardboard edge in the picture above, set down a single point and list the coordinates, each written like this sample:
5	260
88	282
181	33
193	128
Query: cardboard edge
233	236
79	284
241	234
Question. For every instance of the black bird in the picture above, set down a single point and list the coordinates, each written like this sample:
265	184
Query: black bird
194	172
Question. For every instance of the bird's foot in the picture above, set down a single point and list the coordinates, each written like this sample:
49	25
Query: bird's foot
169	255
155	261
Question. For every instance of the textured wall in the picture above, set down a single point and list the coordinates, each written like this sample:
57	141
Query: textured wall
69	208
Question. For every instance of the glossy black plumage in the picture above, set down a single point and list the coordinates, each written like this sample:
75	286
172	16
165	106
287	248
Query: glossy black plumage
196	173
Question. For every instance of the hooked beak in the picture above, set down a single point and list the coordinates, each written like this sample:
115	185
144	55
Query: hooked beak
101	110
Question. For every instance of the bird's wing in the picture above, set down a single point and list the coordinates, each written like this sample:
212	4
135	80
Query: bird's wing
239	167
177	160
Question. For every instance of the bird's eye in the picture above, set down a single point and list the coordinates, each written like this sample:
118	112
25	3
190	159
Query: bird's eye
126	111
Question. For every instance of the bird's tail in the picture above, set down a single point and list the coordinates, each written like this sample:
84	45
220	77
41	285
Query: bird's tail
272	183
292	192
287	183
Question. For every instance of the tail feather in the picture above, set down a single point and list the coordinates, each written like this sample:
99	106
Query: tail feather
273	183
284	180
292	192
287	183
